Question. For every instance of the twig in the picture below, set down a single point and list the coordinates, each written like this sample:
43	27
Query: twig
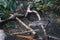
30	11
44	31
26	37
12	17
52	37
26	26
22	32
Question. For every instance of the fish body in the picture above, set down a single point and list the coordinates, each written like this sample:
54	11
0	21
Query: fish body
37	23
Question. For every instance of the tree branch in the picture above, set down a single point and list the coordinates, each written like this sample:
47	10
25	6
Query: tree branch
12	17
53	37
